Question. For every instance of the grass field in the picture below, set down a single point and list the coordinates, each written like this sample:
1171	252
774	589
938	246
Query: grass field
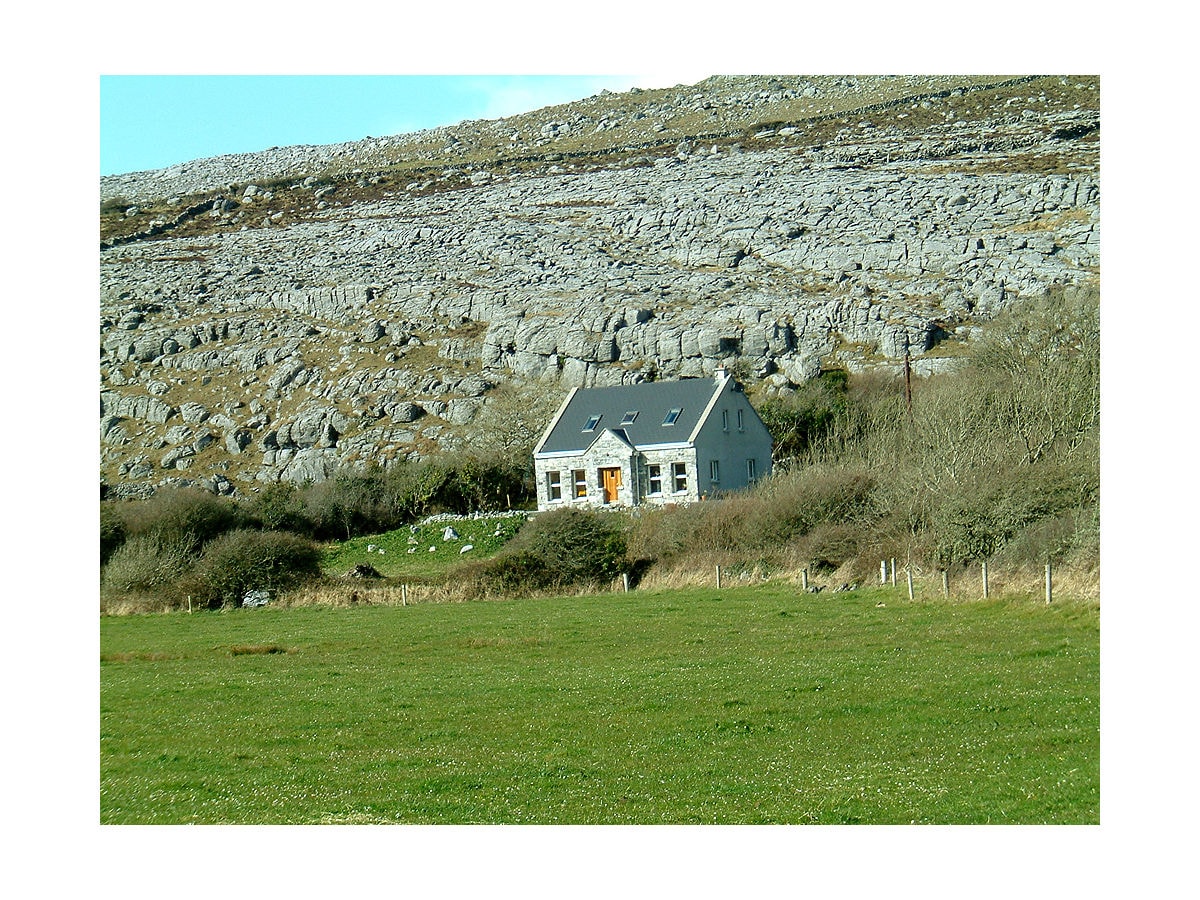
748	705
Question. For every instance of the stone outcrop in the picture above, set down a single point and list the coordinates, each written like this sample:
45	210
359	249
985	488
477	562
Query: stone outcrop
375	330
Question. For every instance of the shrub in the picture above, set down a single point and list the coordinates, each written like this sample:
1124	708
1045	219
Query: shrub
831	544
147	562
556	549
188	515
659	533
1072	536
279	507
798	420
112	531
347	504
243	561
513	573
794	504
976	524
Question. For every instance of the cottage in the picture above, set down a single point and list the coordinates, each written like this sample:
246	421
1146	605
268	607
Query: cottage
652	443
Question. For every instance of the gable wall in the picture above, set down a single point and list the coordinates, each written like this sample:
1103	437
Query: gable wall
720	439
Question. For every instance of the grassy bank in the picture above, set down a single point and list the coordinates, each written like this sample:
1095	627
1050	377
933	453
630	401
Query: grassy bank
756	704
424	552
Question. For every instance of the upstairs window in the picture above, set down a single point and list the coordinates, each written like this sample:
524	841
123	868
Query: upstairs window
672	416
591	423
725	419
741	420
630	417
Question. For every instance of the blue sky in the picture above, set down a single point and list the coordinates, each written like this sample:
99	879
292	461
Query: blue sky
155	121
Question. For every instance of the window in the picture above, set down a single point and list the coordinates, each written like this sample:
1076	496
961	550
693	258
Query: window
655	479
751	470
580	478
714	470
741	421
679	476
672	416
554	485
725	419
630	417
591	423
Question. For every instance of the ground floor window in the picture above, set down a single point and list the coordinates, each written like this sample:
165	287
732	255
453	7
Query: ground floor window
714	470
751	470
554	485
580	476
679	476
655	479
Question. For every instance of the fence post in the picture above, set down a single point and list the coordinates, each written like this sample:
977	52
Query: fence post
883	571
908	575
718	578
985	580
893	571
945	584
804	579
404	595
625	581
1049	584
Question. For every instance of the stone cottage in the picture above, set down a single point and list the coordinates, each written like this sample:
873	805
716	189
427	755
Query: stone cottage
651	443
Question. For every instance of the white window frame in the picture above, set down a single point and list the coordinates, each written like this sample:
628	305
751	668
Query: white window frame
679	477
654	476
554	486
752	470
714	471
741	420
579	485
725	419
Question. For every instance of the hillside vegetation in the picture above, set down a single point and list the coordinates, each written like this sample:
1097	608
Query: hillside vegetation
998	462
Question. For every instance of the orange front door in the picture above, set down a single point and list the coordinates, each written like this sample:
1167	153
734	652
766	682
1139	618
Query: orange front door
610	480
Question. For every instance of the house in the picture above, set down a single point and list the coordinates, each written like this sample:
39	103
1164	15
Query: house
651	443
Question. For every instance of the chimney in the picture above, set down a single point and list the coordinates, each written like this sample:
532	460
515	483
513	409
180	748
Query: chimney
720	375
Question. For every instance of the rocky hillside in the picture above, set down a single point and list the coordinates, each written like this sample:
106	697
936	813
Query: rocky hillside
280	314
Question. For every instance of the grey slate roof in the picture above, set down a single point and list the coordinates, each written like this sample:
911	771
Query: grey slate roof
652	401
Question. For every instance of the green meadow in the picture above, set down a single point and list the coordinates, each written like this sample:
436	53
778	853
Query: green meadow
422	552
747	705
